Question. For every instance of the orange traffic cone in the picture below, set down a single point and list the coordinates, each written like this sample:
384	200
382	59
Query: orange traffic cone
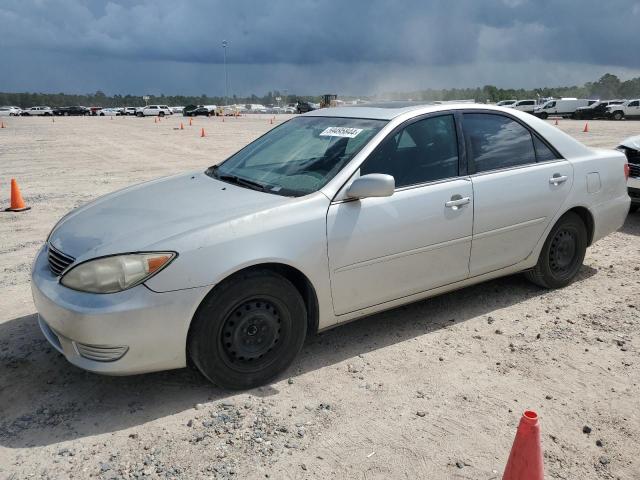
53	120
2	125
202	133
271	121
17	203
190	123
525	459
556	122
155	119
586	127
181	126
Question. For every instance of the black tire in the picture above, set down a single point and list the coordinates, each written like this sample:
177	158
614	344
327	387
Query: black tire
139	114
248	330
544	115
562	254
161	114
618	115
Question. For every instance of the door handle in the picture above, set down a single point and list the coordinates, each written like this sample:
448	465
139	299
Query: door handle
457	201
557	179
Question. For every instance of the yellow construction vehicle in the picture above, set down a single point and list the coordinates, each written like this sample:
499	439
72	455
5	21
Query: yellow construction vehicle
329	100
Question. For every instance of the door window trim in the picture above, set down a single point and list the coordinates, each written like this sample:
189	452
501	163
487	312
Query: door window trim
470	161
462	152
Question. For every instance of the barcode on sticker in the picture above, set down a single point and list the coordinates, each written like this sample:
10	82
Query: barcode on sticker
341	132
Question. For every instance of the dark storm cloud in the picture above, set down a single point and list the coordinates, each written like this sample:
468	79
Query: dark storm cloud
358	37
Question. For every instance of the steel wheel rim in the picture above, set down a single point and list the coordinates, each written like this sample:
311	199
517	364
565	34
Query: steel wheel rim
563	252
252	334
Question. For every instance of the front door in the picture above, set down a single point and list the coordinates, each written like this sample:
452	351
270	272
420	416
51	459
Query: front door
382	249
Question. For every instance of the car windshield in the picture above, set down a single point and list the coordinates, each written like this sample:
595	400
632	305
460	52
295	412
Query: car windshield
298	157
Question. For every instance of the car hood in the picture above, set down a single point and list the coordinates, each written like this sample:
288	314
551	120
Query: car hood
632	142
139	217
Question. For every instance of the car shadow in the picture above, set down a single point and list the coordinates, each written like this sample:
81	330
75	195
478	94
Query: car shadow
44	400
632	224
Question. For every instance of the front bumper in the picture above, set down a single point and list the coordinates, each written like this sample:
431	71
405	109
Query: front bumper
135	331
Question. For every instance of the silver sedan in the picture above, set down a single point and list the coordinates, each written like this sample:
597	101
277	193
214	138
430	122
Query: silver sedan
331	216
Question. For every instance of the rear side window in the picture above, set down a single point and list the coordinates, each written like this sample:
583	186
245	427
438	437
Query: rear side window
543	153
634	104
495	142
424	151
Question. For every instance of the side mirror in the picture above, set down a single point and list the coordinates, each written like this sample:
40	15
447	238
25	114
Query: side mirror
372	185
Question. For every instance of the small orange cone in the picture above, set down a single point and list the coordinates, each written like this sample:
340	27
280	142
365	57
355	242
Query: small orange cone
155	119
53	120
202	133
181	126
2	125
190	121
271	121
525	460
17	203
586	127
556	122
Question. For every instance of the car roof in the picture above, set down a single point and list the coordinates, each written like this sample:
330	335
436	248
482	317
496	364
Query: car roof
391	110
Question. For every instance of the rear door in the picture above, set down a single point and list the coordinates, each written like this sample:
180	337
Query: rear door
519	184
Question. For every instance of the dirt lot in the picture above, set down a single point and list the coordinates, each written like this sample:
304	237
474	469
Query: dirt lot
433	390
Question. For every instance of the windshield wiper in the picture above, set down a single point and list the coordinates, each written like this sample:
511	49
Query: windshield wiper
237	180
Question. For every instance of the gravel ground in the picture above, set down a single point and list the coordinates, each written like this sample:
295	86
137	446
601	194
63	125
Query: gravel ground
430	390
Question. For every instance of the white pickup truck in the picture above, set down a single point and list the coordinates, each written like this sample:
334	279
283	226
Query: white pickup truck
42	111
629	109
154	111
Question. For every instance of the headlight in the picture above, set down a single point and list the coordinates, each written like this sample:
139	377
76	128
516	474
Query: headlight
116	273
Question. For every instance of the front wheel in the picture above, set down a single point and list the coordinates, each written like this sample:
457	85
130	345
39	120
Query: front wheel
562	254
248	330
544	115
161	114
618	116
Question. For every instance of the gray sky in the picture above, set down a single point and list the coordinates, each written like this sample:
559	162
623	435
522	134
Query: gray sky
348	47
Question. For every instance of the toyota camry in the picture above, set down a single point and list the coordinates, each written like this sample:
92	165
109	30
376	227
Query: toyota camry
330	216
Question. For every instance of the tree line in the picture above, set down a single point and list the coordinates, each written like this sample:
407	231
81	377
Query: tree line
605	88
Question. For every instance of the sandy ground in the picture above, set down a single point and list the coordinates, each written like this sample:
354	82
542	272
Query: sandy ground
433	390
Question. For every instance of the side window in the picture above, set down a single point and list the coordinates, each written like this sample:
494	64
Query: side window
634	104
424	151
543	153
495	141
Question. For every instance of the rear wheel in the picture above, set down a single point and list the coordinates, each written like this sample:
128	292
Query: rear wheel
161	114
562	254
544	115
248	330
618	115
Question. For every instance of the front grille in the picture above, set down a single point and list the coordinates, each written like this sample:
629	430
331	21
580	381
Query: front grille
634	170
58	261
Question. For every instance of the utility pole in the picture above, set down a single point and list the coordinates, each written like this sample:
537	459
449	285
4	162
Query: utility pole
226	78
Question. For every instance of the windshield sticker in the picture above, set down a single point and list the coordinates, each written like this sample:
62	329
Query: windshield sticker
341	132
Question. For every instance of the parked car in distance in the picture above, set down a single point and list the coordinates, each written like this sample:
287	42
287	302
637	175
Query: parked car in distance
177	109
129	111
75	110
631	148
154	111
304	107
10	111
628	109
595	110
330	216
109	112
196	111
38	111
524	105
506	103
